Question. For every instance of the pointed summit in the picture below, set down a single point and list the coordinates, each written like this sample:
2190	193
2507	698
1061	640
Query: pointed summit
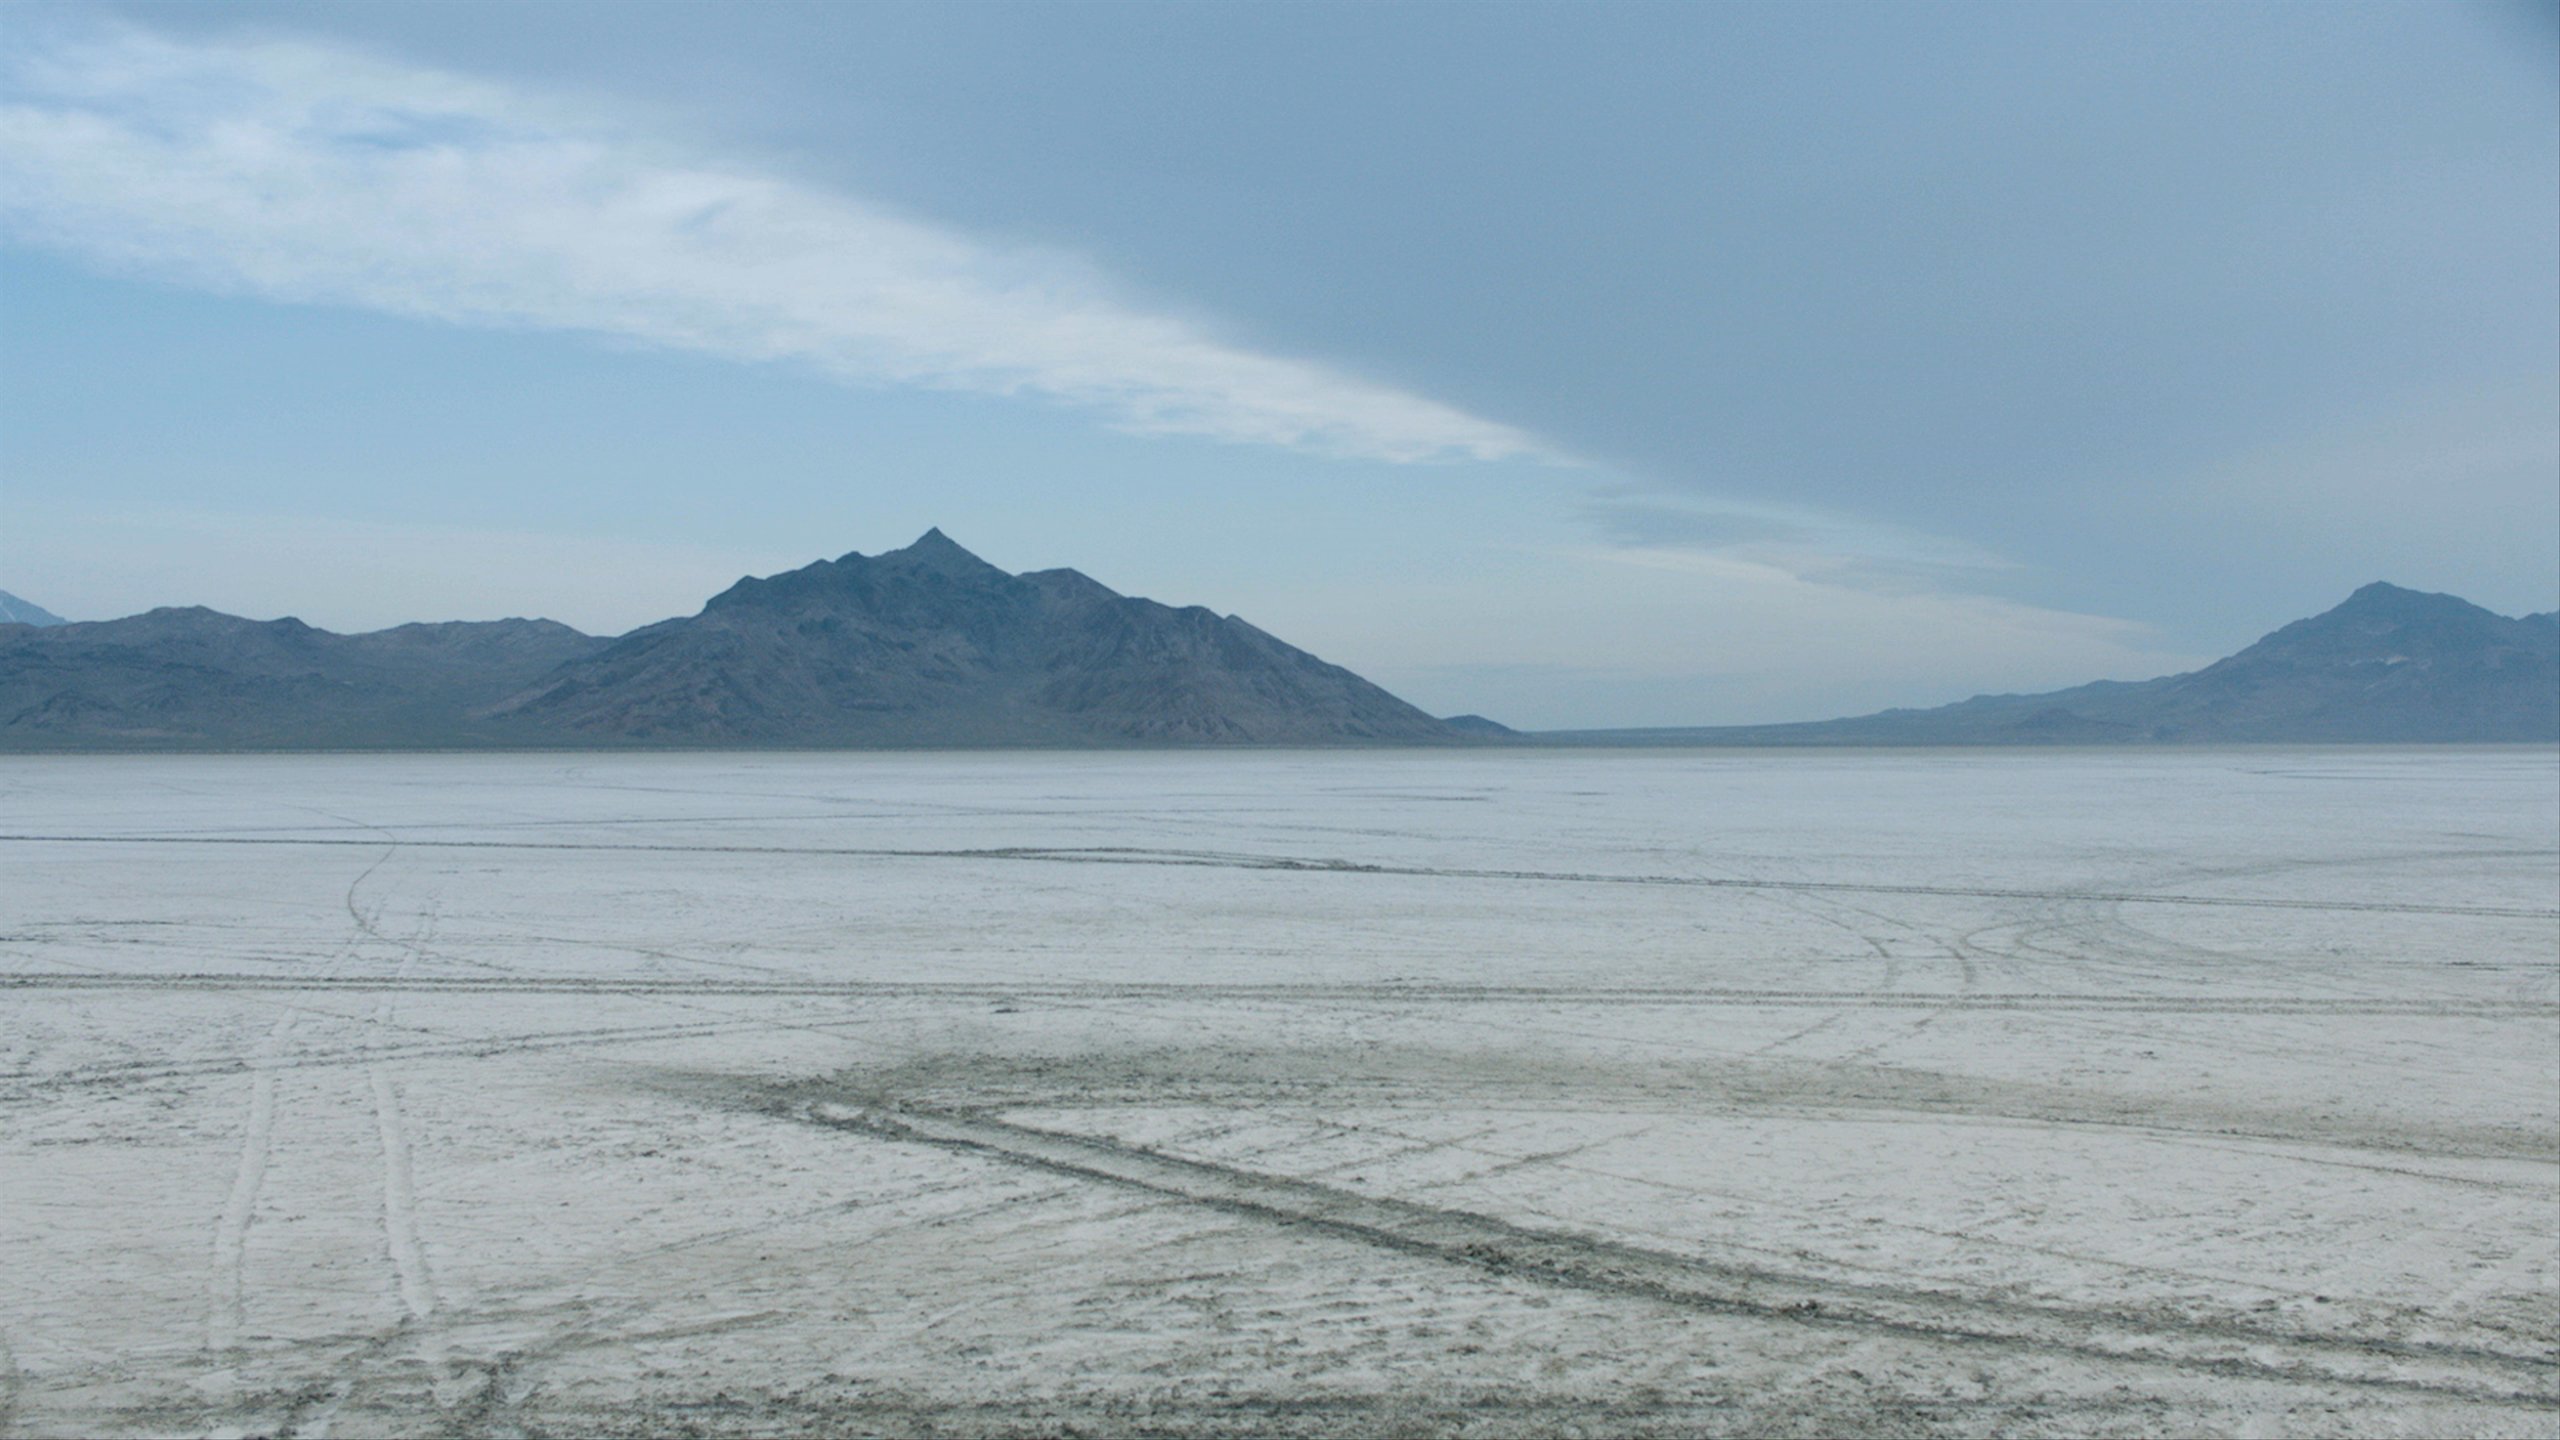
2397	608
930	645
2382	595
939	554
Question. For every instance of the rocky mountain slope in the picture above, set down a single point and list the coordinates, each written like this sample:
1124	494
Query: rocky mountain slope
928	645
932	645
2387	665
195	677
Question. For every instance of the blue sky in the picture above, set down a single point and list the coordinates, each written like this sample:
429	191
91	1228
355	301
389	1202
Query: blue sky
1584	364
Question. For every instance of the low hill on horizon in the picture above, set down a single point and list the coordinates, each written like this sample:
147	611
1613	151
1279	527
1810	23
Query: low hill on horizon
2386	666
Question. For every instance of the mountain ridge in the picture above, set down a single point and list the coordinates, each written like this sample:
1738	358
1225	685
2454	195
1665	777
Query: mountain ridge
2387	665
927	645
931	646
187	676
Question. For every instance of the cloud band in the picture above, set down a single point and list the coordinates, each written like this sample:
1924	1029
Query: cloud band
304	173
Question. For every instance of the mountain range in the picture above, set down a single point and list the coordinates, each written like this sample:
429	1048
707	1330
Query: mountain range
2386	666
932	646
928	645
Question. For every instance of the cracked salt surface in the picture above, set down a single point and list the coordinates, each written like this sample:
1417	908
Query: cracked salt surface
2123	1093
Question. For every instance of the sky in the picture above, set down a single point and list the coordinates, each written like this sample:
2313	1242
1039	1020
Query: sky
1579	365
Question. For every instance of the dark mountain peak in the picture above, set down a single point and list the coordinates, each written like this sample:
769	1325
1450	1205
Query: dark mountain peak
2382	620
857	579
926	645
932	645
2387	665
2383	600
936	553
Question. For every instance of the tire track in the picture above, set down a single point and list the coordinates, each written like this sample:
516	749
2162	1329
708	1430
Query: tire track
1313	993
1566	1159
1968	974
400	1201
416	1284
36	1082
2217	1348
13	1383
229	1305
228	1309
367	1054
1189	859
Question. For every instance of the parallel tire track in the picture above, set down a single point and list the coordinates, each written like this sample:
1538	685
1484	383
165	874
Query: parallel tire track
400	1201
257	1146
1119	855
1426	994
2224	1348
231	1232
366	1055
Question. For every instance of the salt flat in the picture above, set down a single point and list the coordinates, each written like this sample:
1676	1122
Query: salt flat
1485	1093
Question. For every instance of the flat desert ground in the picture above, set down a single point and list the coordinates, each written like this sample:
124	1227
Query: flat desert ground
1478	1093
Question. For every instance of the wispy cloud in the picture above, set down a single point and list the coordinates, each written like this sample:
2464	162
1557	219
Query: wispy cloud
307	173
1659	528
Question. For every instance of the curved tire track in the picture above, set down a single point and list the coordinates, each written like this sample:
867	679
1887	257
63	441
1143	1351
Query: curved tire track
2222	1348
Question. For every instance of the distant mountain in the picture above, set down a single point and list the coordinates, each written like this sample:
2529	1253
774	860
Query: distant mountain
924	646
14	611
2388	665
931	645
180	678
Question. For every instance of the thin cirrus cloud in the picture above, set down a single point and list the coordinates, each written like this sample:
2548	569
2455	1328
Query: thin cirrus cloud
1820	547
306	173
